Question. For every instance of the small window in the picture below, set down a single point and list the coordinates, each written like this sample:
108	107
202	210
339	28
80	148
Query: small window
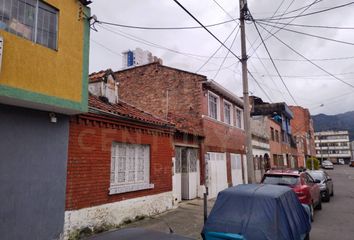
277	135
30	19
272	133
238	118
227	113
130	168
213	106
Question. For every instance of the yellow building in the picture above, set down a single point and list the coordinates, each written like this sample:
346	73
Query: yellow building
45	52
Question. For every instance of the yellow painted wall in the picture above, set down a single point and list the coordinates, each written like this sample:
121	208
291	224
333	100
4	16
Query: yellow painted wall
36	68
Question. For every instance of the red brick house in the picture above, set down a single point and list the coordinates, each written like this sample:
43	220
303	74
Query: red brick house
208	120
302	126
119	163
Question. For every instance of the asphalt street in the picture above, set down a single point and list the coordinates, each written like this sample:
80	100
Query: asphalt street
336	219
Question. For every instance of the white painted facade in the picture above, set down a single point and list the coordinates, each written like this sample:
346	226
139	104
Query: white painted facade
217	173
236	169
116	213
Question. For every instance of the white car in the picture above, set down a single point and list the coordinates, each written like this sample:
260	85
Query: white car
327	164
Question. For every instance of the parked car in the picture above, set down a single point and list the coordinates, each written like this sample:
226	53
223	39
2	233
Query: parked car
327	164
301	182
326	184
341	162
257	211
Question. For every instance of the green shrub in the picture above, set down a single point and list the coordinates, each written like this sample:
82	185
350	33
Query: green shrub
316	163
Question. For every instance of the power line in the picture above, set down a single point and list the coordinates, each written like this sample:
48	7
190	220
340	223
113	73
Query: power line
319	67
307	34
310	26
265	93
311	13
312	59
162	28
293	19
275	66
295	10
212	56
206	29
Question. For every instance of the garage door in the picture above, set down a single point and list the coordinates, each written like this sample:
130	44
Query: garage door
236	169
217	173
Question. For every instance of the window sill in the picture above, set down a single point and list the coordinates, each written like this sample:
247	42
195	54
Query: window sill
130	188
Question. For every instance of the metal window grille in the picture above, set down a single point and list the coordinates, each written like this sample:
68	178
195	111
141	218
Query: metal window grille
31	19
129	164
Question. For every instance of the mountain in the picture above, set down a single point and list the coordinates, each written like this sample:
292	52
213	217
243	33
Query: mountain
343	121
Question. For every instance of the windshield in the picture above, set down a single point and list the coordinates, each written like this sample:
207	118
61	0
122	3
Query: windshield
281	180
317	175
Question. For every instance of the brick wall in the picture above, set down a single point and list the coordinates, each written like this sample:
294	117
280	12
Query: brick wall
89	160
275	147
160	90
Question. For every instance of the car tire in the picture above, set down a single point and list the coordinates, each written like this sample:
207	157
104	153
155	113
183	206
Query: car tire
332	193
319	205
327	198
307	237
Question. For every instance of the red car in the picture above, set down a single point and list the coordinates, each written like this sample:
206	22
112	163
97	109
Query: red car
305	187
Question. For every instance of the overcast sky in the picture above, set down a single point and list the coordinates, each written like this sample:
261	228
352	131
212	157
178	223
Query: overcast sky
311	87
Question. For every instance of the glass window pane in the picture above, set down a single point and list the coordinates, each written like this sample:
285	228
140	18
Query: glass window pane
47	22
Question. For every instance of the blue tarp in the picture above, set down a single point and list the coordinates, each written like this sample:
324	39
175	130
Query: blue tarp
259	212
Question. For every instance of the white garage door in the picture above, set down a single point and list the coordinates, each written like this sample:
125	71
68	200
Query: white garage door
217	173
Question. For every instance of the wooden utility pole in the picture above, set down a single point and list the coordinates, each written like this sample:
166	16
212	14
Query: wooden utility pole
246	102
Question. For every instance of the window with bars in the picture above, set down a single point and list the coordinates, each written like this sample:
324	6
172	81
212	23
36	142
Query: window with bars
213	106
30	19
130	168
227	113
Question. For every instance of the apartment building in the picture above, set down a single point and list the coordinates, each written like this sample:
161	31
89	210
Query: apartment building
333	146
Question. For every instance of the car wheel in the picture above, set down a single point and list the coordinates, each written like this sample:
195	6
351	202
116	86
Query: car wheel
327	197
307	237
319	205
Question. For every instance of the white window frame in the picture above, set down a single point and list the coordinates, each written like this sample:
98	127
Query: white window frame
217	105
117	187
231	112
241	118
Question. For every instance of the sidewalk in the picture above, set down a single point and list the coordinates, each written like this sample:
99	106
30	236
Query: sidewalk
186	220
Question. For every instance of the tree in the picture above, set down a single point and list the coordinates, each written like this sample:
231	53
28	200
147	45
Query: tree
316	163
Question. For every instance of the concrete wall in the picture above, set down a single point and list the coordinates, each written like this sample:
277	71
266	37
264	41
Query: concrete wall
33	156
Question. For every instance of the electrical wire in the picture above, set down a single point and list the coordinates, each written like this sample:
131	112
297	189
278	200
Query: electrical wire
293	19
212	56
265	93
274	65
301	55
308	34
162	28
295	10
311	13
206	29
310	26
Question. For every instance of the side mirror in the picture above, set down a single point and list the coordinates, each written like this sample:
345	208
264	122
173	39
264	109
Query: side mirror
317	181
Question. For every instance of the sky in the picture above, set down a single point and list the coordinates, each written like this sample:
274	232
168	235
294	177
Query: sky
318	86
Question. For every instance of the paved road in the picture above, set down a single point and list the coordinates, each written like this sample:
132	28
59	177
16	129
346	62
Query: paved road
336	219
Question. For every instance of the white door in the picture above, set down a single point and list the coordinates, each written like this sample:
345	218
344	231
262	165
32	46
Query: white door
217	173
189	175
236	169
177	176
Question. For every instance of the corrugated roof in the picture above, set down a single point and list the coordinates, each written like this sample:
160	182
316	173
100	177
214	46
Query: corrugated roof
126	110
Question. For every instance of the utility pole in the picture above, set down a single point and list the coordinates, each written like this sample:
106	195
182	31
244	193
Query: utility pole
246	102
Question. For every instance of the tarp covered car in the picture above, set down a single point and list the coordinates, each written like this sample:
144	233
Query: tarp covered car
256	212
